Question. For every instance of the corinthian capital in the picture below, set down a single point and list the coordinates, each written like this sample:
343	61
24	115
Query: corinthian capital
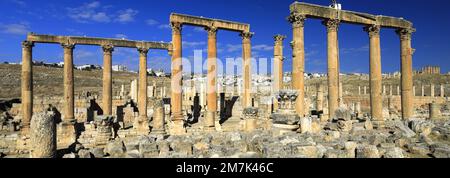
405	33
176	27
246	35
212	31
373	30
27	44
68	45
108	48
332	24
279	38
142	50
297	20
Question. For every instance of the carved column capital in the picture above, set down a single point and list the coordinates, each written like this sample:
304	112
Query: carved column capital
331	24
212	31
108	48
373	30
246	35
142	50
27	44
177	27
297	20
68	45
405	33
279	38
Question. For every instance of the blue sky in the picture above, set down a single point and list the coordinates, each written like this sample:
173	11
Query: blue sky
149	20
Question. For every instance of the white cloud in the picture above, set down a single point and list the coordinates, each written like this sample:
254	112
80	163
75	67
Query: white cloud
121	36
83	54
15	29
151	22
97	12
199	29
164	26
364	48
18	2
127	15
233	48
101	17
262	47
189	44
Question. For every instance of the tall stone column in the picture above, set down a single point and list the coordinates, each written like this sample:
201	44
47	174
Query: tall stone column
423	91
376	100
278	66
68	83
212	78
27	85
333	75
407	72
442	91
177	80
319	104
142	85
142	122
298	60
432	90
247	74
107	79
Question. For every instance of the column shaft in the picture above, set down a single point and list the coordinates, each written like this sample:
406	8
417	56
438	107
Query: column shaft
68	83
27	84
298	61
246	57
212	77
142	85
107	79
406	71
177	69
376	100
333	75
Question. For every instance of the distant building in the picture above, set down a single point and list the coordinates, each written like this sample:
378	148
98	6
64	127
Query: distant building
119	68
429	70
88	67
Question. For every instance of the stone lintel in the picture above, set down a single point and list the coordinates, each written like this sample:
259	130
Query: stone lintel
206	22
323	12
97	41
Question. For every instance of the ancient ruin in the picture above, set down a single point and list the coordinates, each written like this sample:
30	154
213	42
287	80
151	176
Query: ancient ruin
330	116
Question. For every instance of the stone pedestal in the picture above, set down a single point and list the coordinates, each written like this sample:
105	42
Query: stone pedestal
66	134
434	110
104	130
250	117
158	119
43	136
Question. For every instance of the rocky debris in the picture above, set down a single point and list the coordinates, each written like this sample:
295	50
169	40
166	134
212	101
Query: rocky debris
367	151
98	152
84	154
70	155
115	149
421	126
343	114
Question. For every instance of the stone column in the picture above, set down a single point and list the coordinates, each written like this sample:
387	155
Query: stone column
423	90
177	80
298	60
432	90
212	78
158	119
341	92
68	83
247	74
278	66
333	75
319	101
376	100
414	90
250	116
442	91
359	90
434	111
107	79
142	121
365	90
390	90
407	74
384	89
43	135
27	85
398	90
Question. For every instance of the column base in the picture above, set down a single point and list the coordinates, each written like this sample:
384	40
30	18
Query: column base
177	128
158	132
378	124
210	119
141	126
250	125
66	134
